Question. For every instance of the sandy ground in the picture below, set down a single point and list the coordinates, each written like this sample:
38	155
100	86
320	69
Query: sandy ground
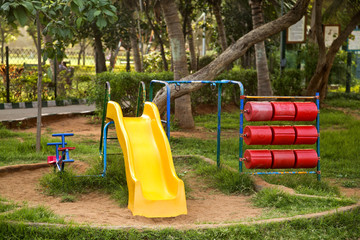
205	205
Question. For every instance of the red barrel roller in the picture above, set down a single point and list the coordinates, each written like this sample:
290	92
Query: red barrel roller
258	159
283	158
283	135
305	111
258	111
257	135
306	158
283	111
305	134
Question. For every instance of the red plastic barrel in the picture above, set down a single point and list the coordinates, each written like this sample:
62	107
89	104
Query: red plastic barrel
257	135
258	159
305	111
258	111
283	158
305	134
283	111
306	158
283	135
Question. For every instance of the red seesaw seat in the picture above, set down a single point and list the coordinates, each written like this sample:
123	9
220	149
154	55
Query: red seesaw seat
66	148
51	160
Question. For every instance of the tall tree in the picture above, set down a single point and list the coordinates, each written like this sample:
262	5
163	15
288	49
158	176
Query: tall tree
216	9
263	76
154	24
183	113
132	6
319	80
235	51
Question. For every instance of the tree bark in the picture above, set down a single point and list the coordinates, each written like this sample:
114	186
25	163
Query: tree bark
128	60
39	87
235	51
190	38
161	43
100	62
320	79
220	25
263	77
183	113
135	49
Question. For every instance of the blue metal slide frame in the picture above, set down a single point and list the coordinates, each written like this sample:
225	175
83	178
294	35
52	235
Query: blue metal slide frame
213	83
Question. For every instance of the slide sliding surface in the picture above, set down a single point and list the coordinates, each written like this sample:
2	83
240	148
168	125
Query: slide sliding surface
154	188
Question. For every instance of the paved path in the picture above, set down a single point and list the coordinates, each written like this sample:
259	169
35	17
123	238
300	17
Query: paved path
26	113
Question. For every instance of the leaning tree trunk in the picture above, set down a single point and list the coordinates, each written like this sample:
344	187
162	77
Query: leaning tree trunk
100	62
220	25
234	52
263	77
183	113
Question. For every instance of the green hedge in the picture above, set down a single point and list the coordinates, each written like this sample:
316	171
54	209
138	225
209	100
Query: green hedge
125	86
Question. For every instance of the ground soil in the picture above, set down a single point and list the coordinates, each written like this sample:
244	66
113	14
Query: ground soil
205	205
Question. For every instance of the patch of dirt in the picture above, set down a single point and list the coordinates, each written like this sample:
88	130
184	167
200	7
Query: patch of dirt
78	125
205	206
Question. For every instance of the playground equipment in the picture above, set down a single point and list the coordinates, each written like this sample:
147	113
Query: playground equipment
59	160
281	135
154	188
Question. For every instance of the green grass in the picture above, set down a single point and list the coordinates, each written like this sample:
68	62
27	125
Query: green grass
280	204
68	185
305	184
228	182
33	214
6	205
337	226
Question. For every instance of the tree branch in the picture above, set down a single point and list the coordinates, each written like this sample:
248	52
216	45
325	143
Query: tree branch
235	51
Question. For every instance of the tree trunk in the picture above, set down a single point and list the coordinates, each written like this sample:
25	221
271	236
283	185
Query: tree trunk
183	113
2	44
190	38
320	79
113	56
135	49
220	25
234	52
100	62
39	87
127	60
263	77
161	43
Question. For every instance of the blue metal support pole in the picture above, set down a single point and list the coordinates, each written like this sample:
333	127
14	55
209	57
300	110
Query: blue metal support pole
318	139
219	126
167	102
241	130
105	147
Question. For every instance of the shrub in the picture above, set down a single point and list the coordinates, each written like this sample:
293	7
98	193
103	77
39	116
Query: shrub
289	83
124	88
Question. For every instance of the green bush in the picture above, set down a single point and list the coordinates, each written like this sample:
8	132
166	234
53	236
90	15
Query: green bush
231	92
125	85
289	83
124	88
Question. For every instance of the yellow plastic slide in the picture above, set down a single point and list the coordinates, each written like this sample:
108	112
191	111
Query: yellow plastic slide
154	188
